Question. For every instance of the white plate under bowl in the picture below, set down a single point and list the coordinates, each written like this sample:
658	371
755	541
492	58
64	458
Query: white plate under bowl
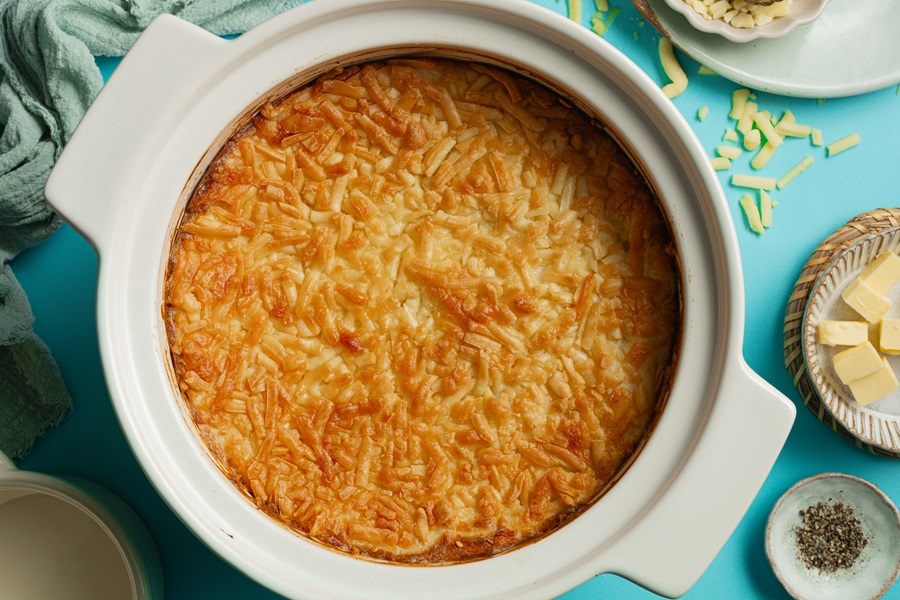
876	568
852	48
801	13
879	422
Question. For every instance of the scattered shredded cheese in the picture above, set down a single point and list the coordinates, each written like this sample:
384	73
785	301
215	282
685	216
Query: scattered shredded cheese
764	133
842	144
703	113
752	214
765	208
762	157
704	70
738	98
730	152
816	137
798	168
601	5
575	10
720	163
793	130
745	123
752	140
753	181
764	123
672	69
612	16
787	117
601	22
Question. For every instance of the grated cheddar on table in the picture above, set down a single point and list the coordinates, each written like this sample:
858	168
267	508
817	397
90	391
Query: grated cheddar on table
422	311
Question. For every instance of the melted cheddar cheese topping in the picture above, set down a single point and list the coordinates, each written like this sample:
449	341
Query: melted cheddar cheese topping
422	310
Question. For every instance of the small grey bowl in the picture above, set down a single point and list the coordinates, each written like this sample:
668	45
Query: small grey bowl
873	572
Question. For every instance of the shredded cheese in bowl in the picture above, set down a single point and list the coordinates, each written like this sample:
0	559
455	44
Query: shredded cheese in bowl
739	13
742	21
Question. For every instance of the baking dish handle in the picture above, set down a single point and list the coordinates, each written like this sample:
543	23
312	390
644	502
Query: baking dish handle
154	80
674	543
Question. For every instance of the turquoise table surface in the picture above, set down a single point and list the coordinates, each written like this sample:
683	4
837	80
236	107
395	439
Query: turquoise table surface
60	277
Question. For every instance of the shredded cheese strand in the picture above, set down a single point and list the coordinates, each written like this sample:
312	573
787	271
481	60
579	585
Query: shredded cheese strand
845	143
672	69
798	168
753	181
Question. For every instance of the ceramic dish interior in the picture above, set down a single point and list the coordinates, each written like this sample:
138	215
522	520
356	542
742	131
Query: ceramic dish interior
722	427
801	13
301	399
872	572
879	422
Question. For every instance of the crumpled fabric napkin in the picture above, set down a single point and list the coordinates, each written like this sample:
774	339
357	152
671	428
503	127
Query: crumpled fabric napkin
49	78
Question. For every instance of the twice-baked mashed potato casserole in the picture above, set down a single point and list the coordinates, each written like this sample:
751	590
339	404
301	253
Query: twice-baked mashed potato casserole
422	310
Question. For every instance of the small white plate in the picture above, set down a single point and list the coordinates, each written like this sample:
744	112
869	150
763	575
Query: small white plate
876	568
852	48
879	422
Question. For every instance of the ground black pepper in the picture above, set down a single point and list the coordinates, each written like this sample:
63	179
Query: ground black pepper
831	537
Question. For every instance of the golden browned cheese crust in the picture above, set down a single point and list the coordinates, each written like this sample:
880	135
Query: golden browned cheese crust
422	311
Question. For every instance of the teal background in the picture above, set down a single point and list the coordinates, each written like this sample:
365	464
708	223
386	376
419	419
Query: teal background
60	277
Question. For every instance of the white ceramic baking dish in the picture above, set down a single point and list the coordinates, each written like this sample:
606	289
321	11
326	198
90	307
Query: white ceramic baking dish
124	177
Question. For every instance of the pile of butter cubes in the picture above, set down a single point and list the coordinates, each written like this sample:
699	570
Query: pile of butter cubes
862	368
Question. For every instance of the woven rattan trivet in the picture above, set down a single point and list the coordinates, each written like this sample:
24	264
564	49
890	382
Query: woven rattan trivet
871	222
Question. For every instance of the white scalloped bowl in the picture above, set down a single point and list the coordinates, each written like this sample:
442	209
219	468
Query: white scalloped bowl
802	12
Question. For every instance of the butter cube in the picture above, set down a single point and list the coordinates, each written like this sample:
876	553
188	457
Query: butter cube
883	272
865	300
844	333
875	385
857	362
889	336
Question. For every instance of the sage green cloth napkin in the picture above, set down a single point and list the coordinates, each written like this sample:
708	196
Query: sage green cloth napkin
49	78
